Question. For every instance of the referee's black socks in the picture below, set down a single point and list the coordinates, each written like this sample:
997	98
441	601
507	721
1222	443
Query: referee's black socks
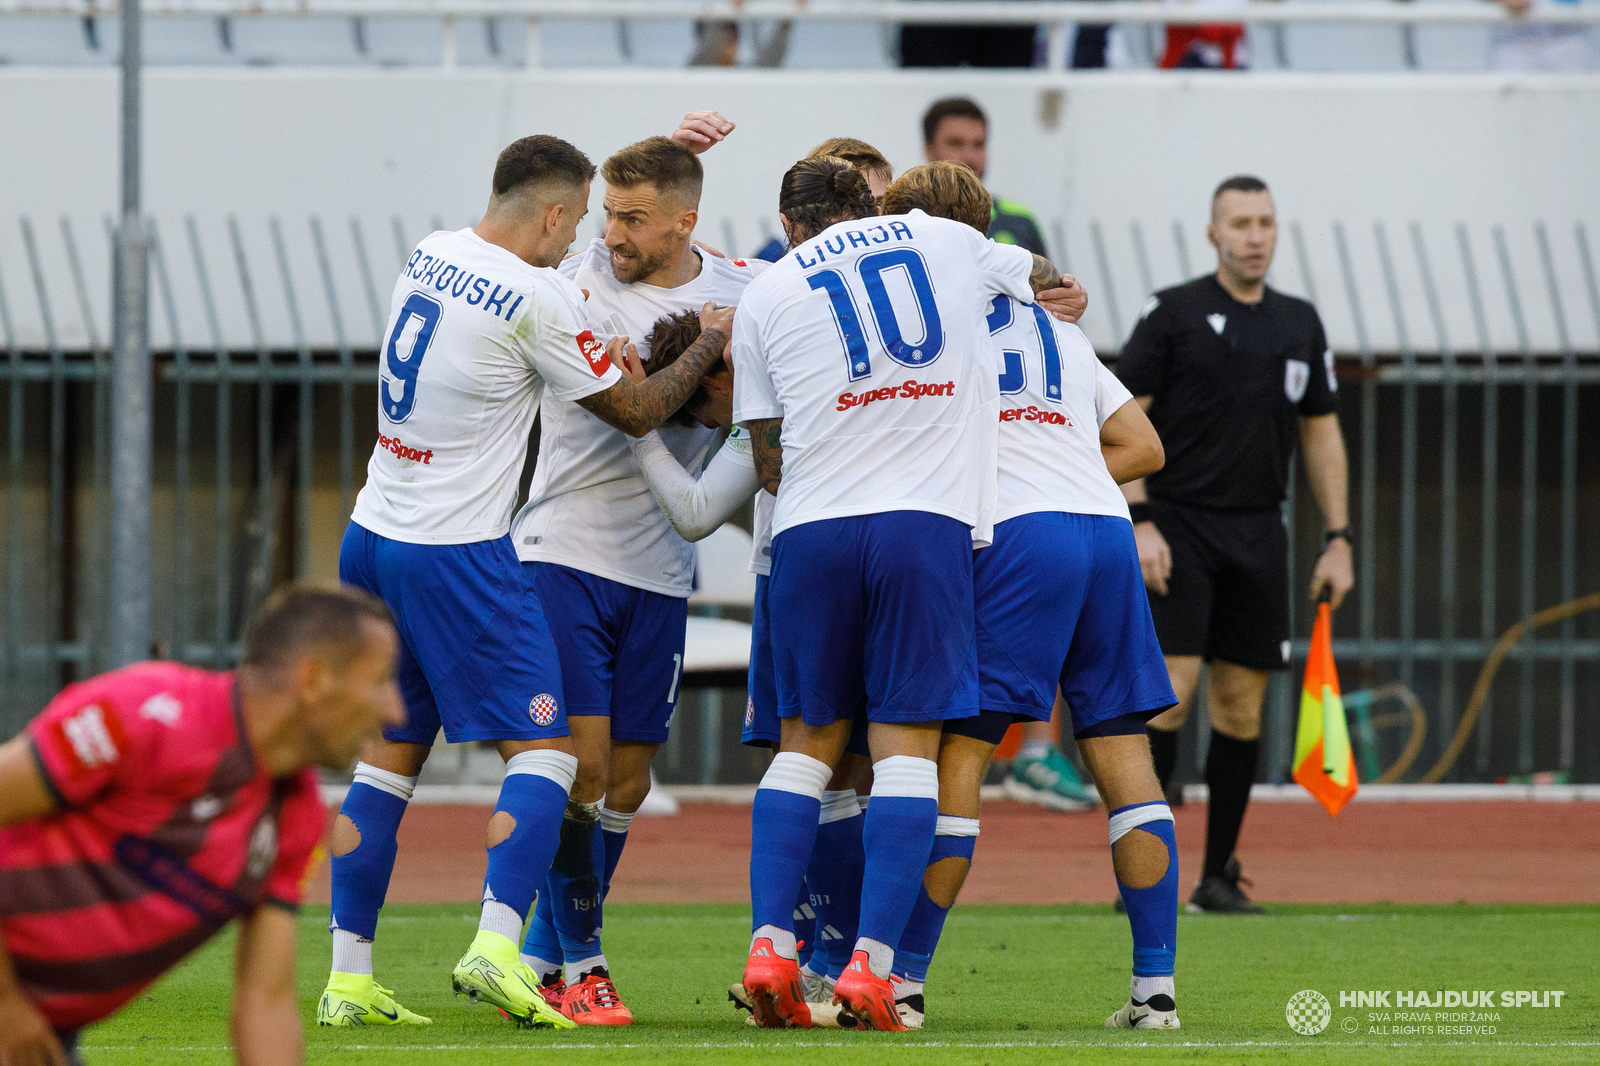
1230	771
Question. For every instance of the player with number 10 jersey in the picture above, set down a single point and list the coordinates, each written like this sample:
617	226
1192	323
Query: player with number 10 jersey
863	371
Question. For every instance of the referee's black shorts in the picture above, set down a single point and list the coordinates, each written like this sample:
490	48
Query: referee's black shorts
1228	596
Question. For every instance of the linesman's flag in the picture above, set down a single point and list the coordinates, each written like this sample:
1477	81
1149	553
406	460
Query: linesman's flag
1323	761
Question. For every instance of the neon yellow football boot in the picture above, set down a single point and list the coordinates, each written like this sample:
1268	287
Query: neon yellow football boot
356	999
492	972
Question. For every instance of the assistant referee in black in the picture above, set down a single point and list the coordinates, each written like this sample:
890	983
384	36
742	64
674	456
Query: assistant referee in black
1231	372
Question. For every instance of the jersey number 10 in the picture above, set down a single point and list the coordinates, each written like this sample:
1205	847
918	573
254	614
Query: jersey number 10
871	268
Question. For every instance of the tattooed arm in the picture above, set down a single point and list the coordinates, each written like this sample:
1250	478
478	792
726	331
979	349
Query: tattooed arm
637	409
766	442
1060	294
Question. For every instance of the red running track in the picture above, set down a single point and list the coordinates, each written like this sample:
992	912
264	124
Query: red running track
1475	852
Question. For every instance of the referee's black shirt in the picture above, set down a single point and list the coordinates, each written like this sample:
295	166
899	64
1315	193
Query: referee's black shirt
1229	382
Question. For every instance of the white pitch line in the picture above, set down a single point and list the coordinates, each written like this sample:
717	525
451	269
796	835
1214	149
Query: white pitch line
1308	1044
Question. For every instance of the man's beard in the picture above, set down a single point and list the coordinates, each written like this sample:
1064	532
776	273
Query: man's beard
640	268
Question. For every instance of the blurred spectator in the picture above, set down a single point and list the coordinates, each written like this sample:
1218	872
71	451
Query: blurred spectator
716	44
1545	48
956	129
1089	46
923	45
1212	46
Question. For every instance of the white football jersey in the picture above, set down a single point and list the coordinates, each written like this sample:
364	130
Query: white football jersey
1055	394
475	335
869	342
589	507
761	532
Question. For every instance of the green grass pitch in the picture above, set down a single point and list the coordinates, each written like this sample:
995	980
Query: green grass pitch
1011	984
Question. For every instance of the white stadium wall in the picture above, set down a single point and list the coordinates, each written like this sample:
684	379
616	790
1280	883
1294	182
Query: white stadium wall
1113	148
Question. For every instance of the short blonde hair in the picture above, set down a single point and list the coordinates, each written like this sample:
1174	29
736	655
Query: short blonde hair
658	161
943	189
859	154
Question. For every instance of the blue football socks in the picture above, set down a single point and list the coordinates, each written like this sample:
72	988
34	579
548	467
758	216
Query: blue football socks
1152	911
375	804
897	839
783	829
614	834
575	879
833	878
955	838
534	793
805	927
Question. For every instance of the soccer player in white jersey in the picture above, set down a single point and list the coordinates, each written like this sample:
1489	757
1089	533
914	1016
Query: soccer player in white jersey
479	328
862	376
604	560
1060	604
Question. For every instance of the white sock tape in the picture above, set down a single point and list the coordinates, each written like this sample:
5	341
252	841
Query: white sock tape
1134	817
950	825
385	781
906	776
801	774
615	821
547	763
837	806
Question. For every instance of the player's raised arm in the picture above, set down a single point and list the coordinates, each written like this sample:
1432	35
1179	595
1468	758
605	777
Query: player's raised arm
702	130
637	409
265	1021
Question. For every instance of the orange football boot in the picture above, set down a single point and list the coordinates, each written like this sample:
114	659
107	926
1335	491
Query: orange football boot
866	997
593	1000
773	985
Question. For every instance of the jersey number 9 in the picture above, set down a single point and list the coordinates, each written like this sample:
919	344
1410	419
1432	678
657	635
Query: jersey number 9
402	369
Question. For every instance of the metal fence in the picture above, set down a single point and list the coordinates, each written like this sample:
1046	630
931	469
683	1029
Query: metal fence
1476	500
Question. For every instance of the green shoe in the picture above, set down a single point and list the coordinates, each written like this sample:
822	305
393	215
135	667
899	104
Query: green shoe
356	999
1051	782
493	972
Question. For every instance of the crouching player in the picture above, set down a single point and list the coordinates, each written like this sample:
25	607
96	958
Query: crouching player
1060	602
144	809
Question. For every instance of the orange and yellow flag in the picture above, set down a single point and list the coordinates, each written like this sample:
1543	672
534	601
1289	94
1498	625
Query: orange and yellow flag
1323	761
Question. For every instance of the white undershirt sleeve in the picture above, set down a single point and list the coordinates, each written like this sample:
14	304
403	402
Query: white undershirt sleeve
696	507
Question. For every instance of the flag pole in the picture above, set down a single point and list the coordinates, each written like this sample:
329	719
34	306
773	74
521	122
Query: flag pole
131	385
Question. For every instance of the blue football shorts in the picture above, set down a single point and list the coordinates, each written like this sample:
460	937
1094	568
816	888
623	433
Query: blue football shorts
872	617
1061	601
621	648
476	655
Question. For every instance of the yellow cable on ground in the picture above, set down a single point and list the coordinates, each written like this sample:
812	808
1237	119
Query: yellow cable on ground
1480	691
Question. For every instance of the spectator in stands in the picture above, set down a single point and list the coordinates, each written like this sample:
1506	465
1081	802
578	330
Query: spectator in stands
1550	48
1091	46
957	129
1212	46
716	44
924	45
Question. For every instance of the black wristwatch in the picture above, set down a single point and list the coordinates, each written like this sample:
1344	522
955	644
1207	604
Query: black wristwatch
1346	534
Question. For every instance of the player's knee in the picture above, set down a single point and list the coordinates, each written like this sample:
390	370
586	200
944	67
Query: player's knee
1139	858
346	836
501	826
943	880
626	792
